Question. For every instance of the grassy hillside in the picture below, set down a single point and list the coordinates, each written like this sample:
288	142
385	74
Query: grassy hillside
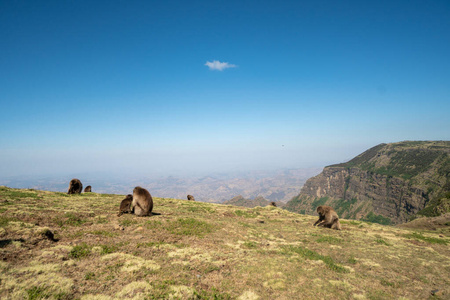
404	159
58	246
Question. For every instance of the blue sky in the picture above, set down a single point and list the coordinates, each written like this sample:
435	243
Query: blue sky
123	86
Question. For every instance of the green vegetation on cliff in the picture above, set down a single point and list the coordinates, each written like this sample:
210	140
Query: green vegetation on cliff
400	180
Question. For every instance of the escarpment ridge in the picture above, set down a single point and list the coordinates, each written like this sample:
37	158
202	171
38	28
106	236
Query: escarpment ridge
388	184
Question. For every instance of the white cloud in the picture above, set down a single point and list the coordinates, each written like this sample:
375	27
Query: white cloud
220	66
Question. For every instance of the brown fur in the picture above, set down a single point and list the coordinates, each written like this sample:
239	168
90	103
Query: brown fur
273	204
125	205
88	189
328	217
190	198
142	203
75	187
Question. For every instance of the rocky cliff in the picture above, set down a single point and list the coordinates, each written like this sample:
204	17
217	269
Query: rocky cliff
389	183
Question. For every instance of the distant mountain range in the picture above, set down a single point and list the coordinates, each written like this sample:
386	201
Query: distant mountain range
389	183
278	186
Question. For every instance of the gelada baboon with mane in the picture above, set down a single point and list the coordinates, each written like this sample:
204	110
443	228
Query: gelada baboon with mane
328	217
125	205
190	198
142	203
75	187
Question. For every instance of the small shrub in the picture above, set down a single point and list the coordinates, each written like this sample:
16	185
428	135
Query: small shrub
381	241
37	292
387	283
4	221
203	209
108	249
89	275
80	251
352	260
250	245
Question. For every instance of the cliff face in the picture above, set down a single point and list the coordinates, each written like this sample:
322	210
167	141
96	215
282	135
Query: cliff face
389	183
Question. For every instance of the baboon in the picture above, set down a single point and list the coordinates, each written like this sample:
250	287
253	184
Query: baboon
190	198
328	217
88	189
273	204
75	187
125	205
142	203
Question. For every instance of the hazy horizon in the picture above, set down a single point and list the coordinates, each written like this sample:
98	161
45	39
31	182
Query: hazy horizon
179	88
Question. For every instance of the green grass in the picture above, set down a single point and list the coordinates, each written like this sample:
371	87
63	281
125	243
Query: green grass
246	214
128	222
381	241
200	209
19	194
421	237
106	249
312	255
80	251
350	222
329	240
190	226
153	224
250	245
4	221
37	292
213	294
105	233
100	220
70	219
61	194
352	260
89	275
373	218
